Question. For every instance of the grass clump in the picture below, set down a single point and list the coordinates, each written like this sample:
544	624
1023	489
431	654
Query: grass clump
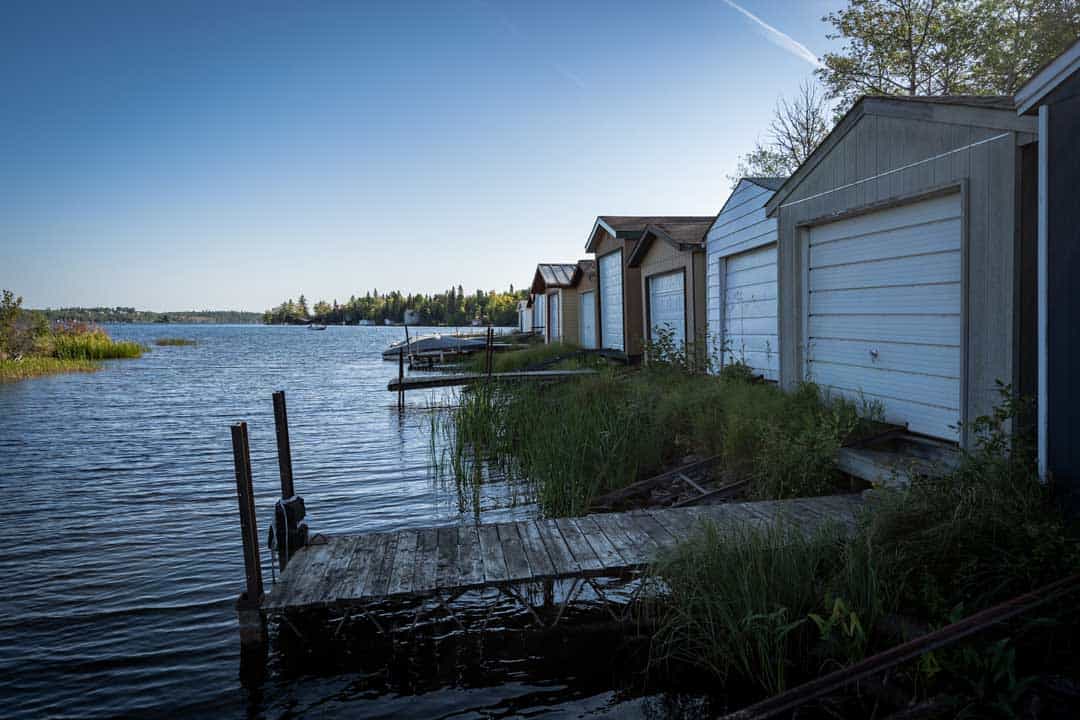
770	607
30	346
572	441
31	367
173	342
539	354
80	342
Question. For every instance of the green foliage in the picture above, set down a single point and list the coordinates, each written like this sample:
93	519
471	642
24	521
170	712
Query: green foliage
173	341
986	679
91	343
453	307
742	602
119	315
31	367
572	441
537	354
930	47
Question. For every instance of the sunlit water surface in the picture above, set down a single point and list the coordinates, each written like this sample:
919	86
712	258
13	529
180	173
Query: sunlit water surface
121	558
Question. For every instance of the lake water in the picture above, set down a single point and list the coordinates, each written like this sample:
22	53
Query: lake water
122	555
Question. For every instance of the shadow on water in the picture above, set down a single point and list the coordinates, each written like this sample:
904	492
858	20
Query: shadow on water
393	662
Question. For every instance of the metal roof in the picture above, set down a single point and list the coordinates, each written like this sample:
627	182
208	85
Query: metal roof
631	226
553	275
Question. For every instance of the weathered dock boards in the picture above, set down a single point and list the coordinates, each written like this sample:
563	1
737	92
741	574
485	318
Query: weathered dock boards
361	569
434	381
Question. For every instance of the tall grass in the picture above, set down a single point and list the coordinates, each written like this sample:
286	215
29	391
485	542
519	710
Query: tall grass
575	440
93	345
173	342
770	605
512	360
31	367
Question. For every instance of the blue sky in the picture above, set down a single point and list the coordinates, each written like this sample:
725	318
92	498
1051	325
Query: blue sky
180	155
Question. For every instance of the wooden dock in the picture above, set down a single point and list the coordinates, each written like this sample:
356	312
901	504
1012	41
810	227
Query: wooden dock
353	570
435	381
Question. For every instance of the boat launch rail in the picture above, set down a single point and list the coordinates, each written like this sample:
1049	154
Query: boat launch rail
436	381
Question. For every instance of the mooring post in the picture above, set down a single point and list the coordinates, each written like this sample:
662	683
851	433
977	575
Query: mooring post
290	530
249	604
401	380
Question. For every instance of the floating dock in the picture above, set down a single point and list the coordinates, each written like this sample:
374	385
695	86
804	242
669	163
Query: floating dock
350	570
435	381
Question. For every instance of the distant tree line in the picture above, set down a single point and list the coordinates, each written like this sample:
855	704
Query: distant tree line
131	315
453	307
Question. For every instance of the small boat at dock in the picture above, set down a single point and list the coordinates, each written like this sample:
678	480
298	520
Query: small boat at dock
313	326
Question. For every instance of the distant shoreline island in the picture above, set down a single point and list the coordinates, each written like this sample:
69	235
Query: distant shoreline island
130	315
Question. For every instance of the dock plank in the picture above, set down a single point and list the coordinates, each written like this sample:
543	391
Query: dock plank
470	559
492	553
582	552
517	564
535	550
562	559
427	561
446	575
452	559
401	574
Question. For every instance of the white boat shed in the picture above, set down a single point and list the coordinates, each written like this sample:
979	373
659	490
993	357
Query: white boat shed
906	256
741	280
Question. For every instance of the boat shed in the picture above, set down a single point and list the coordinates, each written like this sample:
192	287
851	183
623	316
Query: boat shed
741	280
612	240
524	316
905	258
671	259
555	283
1053	97
588	311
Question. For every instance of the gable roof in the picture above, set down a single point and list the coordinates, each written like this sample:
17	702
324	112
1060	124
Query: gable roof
771	184
631	226
985	111
684	237
1048	78
554	275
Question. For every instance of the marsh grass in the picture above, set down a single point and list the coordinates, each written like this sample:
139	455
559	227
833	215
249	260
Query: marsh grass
31	367
512	360
174	342
572	441
93	345
769	606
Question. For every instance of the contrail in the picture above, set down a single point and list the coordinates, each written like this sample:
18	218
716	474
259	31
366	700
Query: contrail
780	39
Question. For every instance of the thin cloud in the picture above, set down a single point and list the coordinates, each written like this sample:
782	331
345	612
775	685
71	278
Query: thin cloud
778	38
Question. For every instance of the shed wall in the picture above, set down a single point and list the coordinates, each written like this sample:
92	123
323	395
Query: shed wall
632	299
661	258
851	177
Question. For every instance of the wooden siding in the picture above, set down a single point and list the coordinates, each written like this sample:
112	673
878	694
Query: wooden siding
632	299
887	159
743	317
568	303
661	258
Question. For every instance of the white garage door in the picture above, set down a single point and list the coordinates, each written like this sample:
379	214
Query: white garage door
539	313
884	310
749	311
611	301
587	323
554	326
667	307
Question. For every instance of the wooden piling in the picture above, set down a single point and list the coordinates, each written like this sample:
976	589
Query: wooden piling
249	605
290	530
401	377
281	425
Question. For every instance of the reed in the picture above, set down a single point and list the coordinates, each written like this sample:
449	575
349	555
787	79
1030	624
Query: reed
93	345
31	367
174	342
521	359
572	441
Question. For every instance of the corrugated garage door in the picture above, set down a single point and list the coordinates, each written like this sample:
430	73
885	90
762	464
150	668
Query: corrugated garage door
749	311
611	301
587	324
539	313
885	312
667	307
554	326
